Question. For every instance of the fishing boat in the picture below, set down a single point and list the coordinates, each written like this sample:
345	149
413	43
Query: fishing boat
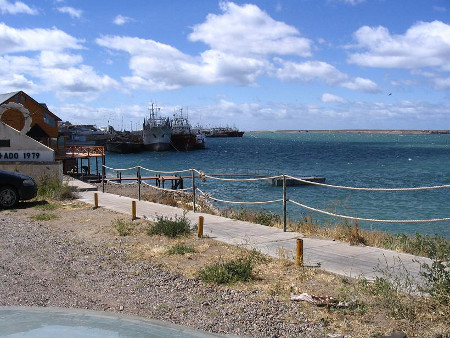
223	132
184	137
156	131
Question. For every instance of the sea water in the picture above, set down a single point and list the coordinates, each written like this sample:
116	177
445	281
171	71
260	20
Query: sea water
355	160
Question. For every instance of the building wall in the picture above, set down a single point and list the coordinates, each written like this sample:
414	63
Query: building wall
37	170
43	117
15	146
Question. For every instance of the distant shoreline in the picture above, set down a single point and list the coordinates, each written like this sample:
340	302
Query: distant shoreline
356	131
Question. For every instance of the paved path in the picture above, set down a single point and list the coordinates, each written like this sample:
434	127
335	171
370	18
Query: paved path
333	256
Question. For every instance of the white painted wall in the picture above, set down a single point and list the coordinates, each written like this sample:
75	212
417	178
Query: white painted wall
22	147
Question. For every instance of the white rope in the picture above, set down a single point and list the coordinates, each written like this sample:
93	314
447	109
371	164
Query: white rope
165	172
368	189
239	179
235	202
370	219
124	182
118	169
165	189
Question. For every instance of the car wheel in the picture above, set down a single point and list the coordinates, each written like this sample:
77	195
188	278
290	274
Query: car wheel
8	197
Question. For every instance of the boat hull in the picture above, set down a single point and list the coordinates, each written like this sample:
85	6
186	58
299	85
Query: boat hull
124	147
157	138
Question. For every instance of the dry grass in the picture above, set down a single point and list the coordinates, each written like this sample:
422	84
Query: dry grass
374	308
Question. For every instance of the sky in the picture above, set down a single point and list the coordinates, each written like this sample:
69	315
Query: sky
256	65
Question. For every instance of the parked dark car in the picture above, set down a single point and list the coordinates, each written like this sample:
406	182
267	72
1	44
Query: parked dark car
14	187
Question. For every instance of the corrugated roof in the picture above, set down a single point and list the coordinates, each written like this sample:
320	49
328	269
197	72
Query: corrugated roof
4	97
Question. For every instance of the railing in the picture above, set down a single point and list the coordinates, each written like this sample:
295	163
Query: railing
284	200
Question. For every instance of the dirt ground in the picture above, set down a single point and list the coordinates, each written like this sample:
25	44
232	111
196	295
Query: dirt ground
275	278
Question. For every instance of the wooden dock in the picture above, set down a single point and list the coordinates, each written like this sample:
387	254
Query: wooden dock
175	181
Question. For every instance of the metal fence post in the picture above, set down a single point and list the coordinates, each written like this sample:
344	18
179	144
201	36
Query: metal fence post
193	190
284	204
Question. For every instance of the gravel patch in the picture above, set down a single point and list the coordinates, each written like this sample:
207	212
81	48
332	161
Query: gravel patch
42	266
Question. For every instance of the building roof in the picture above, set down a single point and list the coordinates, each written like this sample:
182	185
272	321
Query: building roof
7	96
4	97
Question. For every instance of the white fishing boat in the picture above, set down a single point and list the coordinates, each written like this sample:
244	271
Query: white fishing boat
156	131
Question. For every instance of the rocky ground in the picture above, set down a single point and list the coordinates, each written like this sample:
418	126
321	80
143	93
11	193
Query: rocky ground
45	265
76	259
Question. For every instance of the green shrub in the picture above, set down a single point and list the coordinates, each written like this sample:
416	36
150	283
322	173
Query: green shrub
44	216
437	281
237	270
229	272
123	227
47	206
180	249
54	189
180	226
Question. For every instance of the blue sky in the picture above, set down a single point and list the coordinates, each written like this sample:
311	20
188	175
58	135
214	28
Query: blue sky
258	65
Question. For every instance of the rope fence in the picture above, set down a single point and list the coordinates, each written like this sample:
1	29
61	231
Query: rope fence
195	173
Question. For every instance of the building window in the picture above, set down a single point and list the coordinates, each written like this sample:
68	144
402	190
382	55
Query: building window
5	143
49	120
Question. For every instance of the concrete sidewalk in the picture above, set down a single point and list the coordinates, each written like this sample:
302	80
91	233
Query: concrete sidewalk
333	256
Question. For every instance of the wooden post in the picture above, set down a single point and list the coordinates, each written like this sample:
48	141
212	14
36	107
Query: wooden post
193	191
284	204
133	210
139	182
200	227
95	200
299	260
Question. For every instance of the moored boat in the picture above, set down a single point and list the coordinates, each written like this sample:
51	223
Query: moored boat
156	131
223	132
184	137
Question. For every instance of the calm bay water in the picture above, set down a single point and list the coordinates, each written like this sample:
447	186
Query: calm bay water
358	160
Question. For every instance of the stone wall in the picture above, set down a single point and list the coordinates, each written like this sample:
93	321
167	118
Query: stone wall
37	170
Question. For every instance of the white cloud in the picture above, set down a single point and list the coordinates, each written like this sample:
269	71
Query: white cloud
51	68
353	2
121	20
73	12
17	7
425	44
361	84
76	81
59	60
158	66
322	71
248	30
331	98
309	71
23	40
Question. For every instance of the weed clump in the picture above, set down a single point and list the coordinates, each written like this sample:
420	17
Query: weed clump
180	226
54	189
44	216
181	249
123	227
240	269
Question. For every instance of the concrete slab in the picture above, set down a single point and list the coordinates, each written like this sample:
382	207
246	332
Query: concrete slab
333	256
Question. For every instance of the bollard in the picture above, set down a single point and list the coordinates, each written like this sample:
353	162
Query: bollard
95	200
299	260
133	210
200	226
